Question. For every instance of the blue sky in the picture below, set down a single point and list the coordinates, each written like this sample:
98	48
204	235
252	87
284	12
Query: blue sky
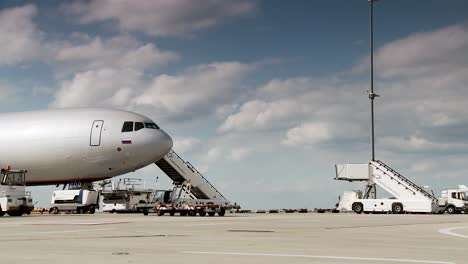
263	96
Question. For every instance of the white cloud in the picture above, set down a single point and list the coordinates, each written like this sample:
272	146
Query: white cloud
238	154
198	91
19	37
117	52
422	53
194	93
185	144
308	133
103	87
159	17
414	114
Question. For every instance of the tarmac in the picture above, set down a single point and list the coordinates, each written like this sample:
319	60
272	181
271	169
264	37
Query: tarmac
235	238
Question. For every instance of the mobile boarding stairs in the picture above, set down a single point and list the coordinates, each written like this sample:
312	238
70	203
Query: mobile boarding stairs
406	196
181	171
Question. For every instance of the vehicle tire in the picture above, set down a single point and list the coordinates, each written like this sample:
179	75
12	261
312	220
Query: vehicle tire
145	211
172	213
2	213
55	210
192	213
397	208
450	209
358	208
92	210
222	212
160	212
202	213
15	213
211	213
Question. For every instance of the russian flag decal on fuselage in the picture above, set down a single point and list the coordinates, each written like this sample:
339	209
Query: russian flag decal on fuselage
126	141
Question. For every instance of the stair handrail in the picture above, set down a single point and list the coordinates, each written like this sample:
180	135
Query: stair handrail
194	170
412	184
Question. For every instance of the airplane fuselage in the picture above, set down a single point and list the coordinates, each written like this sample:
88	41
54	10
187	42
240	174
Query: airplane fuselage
67	145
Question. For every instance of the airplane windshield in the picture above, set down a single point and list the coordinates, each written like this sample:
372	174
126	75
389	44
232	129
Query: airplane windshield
14	179
151	125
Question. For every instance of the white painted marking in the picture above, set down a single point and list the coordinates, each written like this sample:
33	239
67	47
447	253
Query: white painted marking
449	231
206	224
317	257
60	232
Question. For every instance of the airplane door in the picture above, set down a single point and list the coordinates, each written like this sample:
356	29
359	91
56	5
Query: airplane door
96	131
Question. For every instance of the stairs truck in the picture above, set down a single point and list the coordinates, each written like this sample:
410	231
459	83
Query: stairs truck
191	194
405	196
454	201
14	199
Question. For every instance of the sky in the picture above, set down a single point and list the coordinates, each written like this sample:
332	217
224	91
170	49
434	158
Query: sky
263	97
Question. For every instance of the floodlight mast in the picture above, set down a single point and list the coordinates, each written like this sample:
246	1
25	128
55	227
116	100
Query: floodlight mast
371	94
372	188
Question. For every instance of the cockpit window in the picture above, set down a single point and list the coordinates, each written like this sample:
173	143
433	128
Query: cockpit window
127	126
151	125
139	125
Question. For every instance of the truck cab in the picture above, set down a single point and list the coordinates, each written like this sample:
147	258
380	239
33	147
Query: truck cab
14	199
454	201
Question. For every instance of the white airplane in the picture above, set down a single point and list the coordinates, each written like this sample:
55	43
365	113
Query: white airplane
79	145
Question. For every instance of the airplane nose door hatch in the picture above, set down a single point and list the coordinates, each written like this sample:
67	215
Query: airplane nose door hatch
96	131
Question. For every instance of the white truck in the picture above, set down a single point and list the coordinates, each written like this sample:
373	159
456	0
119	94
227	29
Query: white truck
14	199
454	200
79	201
404	195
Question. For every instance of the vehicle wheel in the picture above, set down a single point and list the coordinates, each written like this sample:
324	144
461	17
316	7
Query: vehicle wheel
55	210
92	210
202	213
211	213
15	213
222	212
145	211
397	208
450	210
2	213
358	208
192	213
160	212
172	213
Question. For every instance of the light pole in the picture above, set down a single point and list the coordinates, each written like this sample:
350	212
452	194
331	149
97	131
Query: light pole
371	94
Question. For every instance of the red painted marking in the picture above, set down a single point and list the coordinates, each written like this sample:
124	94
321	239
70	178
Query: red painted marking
81	224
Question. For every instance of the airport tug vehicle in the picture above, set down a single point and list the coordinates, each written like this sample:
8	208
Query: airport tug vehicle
191	194
14	199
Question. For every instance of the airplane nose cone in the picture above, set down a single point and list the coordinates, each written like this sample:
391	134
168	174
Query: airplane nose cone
167	142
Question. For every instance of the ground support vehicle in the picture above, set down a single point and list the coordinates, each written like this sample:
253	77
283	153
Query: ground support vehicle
405	196
180	201
454	201
14	199
191	194
79	201
124	196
